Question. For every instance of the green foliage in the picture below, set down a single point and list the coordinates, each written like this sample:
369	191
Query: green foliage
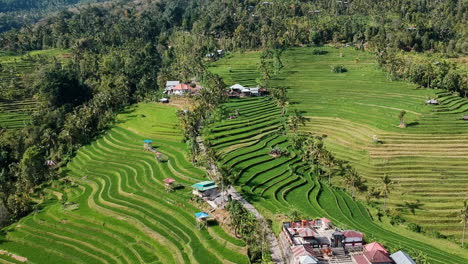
339	69
414	227
319	52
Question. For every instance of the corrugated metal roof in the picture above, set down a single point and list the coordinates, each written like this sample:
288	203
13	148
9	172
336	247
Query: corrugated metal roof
402	257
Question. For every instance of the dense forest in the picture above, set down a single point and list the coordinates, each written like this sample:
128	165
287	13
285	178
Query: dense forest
122	50
16	13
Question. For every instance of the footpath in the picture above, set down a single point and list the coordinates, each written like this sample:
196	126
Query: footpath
275	250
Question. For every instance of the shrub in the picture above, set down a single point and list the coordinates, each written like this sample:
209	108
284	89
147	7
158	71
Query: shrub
339	69
414	227
319	52
396	220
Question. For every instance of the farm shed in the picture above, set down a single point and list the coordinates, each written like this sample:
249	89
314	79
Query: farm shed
164	100
205	188
147	144
465	118
401	257
432	102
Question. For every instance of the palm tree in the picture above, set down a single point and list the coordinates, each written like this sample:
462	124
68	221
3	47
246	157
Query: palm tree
295	120
401	116
329	161
294	215
464	217
385	188
280	96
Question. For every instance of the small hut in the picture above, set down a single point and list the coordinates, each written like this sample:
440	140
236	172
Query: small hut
50	163
465	118
147	144
202	219
432	102
161	157
164	100
168	183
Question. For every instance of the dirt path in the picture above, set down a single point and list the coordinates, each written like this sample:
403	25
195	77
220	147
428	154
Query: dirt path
275	250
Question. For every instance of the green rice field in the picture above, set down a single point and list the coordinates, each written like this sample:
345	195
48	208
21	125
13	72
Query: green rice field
428	159
112	206
15	113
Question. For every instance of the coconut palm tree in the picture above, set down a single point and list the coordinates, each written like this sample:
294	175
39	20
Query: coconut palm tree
386	186
296	120
464	217
401	116
329	161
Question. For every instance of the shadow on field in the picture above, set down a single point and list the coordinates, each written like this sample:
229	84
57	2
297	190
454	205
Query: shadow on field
412	124
411	206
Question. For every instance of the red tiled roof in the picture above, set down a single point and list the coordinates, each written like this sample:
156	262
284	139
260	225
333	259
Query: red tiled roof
352	233
360	259
306	232
375	246
377	256
169	180
325	220
182	86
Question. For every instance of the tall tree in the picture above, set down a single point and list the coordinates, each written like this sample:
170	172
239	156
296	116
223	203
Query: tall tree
296	120
401	117
386	186
464	217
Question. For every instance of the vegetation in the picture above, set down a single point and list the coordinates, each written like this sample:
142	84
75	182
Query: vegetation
111	205
119	51
274	185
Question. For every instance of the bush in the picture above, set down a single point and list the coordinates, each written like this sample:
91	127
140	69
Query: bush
414	227
339	69
319	52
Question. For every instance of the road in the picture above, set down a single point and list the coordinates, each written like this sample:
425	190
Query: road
275	250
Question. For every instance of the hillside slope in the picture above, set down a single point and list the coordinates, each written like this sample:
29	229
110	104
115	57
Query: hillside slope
277	185
113	207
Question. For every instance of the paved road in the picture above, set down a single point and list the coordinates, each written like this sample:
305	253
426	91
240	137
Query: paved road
275	250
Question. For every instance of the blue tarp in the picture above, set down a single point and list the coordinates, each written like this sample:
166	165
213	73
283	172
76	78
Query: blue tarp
148	141
201	215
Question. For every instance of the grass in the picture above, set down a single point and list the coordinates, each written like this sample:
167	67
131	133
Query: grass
16	113
122	213
350	108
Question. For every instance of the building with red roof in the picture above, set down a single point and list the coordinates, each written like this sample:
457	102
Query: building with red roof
375	246
372	257
352	238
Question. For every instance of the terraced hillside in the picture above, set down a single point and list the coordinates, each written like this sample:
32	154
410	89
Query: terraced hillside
275	185
428	159
116	209
15	112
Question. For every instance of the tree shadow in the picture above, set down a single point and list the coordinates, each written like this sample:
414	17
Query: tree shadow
411	206
412	124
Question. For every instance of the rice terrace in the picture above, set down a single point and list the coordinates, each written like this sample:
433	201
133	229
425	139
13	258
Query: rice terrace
233	132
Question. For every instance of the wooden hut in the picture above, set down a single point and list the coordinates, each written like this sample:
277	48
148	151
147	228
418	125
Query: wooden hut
202	219
147	144
169	184
432	102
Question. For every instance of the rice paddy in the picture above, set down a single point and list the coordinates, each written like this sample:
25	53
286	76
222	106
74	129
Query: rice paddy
427	159
113	207
15	113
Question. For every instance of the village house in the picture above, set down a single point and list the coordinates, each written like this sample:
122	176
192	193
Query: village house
374	253
182	88
205	189
238	90
401	257
170	85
